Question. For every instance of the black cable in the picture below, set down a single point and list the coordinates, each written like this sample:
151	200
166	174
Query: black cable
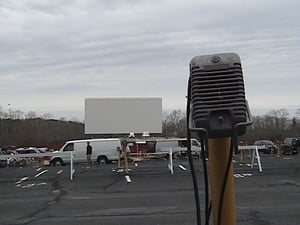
226	174
204	150
190	157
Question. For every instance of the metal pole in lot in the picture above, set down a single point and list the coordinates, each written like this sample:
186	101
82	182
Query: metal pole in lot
258	159
170	164
254	155
71	165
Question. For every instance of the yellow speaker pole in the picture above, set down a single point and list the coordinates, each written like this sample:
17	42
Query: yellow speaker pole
242	156
125	159
119	158
219	151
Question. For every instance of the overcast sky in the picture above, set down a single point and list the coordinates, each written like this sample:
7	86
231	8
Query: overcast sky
55	53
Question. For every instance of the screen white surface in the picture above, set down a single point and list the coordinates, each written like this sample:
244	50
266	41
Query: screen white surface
123	115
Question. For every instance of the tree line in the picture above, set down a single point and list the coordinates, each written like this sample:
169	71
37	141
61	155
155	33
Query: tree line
38	132
274	125
16	114
29	129
21	129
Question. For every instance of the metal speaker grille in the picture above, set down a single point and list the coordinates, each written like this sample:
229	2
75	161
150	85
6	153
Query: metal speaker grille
217	84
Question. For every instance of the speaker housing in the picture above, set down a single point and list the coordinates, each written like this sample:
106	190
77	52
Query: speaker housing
217	94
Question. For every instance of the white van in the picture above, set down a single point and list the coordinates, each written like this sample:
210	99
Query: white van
104	151
178	146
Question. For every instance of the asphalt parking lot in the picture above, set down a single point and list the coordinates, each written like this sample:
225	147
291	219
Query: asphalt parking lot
35	195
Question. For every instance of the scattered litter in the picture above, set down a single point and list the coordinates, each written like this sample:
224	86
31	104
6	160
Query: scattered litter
136	164
247	174
39	174
56	191
59	172
28	186
22	179
128	179
115	170
182	167
238	175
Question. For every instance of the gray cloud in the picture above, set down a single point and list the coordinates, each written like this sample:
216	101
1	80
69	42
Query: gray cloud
61	52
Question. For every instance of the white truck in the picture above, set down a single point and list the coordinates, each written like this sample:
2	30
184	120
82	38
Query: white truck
178	146
103	151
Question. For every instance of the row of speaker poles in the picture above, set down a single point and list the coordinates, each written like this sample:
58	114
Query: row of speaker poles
123	151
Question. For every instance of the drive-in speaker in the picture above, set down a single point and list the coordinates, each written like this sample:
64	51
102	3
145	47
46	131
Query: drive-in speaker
217	94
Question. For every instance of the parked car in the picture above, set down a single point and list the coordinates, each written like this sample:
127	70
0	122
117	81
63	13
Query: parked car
33	150
290	146
178	146
27	150
266	146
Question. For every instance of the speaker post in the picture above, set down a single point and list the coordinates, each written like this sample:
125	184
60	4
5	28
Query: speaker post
218	112
124	150
219	152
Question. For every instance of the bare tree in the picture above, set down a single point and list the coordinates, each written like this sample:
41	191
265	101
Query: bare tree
174	124
2	113
31	115
47	116
280	118
16	114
